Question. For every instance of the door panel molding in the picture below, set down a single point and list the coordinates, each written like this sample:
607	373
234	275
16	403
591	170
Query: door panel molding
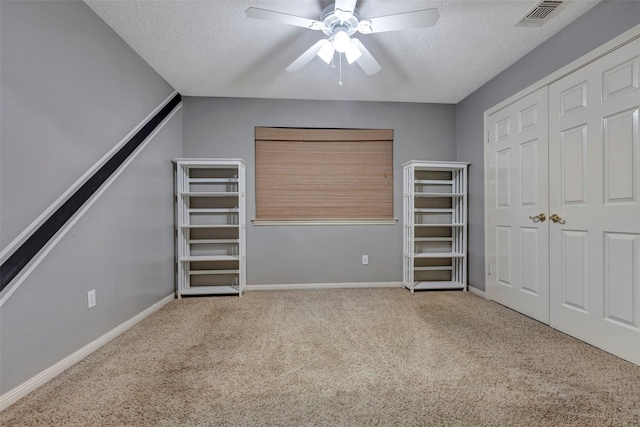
592	247
519	238
615	43
594	255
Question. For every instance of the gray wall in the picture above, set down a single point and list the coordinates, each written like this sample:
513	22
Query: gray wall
71	90
600	24
223	127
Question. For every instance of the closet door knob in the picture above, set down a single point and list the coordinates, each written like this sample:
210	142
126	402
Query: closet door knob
557	219
538	218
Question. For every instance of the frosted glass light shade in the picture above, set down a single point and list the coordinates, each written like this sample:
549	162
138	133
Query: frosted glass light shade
326	52
352	53
341	41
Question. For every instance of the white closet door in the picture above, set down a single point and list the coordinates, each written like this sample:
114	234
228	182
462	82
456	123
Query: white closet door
594	166
518	190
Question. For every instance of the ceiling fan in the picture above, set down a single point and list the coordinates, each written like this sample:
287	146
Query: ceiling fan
339	21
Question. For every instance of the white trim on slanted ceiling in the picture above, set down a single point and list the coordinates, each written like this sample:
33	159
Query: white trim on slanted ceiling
50	373
22	276
8	250
594	55
295	286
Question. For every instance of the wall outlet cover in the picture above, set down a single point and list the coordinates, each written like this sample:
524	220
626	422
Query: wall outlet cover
91	298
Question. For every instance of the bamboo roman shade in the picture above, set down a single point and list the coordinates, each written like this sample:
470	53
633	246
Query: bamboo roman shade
324	174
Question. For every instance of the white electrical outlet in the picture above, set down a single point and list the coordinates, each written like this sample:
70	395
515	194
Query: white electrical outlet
365	259
91	298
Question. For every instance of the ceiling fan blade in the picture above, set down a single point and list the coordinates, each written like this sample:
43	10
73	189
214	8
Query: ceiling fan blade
367	62
401	21
306	57
345	5
283	18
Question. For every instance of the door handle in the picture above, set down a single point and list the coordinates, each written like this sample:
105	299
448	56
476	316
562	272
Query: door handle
538	218
557	219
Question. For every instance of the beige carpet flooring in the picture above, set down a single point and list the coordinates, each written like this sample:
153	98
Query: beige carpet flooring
344	357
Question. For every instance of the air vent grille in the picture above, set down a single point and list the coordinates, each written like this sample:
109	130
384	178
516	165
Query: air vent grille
535	16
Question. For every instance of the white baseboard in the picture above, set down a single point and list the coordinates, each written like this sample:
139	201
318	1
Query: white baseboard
50	373
477	292
293	286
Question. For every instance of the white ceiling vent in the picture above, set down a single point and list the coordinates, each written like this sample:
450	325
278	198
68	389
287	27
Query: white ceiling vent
538	14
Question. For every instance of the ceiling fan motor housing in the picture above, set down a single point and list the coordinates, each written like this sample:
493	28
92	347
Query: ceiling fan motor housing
334	20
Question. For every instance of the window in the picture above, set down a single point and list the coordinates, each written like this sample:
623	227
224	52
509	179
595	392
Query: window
324	175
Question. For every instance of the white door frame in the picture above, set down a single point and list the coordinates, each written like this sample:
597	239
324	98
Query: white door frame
599	52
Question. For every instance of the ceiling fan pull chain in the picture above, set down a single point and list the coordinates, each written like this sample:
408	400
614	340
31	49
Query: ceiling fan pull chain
340	82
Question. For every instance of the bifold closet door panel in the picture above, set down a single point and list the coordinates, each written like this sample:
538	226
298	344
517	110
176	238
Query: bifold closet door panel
594	166
517	195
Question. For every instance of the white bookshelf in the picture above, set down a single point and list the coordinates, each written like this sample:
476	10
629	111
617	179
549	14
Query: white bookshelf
434	225
210	216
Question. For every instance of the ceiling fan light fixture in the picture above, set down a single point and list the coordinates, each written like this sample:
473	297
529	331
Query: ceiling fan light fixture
353	53
341	41
326	52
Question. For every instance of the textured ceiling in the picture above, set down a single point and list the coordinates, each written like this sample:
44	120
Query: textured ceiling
210	48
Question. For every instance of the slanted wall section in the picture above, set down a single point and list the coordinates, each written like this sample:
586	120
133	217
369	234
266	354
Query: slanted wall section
71	90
